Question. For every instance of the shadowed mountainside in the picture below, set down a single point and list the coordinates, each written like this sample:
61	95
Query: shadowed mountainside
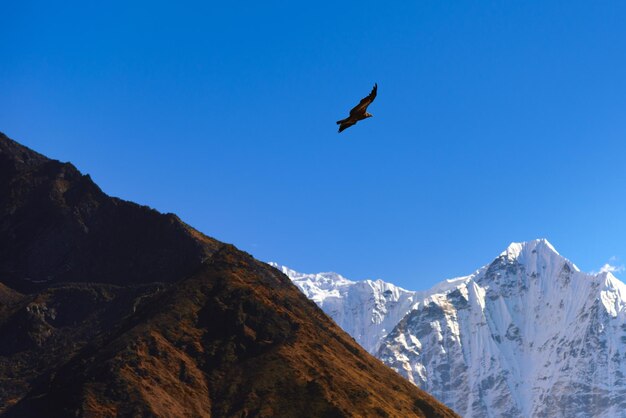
108	308
56	225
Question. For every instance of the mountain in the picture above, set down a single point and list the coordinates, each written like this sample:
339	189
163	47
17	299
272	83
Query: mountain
58	226
367	310
527	335
108	308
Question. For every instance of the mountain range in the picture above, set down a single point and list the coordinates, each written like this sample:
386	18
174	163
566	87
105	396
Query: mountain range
527	335
109	308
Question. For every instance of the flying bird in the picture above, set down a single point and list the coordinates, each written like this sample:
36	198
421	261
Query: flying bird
359	112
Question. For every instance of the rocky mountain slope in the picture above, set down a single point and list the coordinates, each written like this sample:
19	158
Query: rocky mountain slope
527	335
108	308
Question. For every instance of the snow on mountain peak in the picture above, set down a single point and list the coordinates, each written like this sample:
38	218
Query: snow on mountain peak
368	310
613	294
532	256
524	252
529	334
524	336
318	286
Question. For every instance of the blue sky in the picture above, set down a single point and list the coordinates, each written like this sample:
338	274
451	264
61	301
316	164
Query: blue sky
495	122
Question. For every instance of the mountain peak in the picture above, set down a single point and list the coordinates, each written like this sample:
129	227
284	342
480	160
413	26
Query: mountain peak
366	309
14	156
131	312
61	227
533	255
519	337
516	249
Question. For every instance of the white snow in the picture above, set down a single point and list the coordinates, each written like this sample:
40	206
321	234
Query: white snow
368	309
528	335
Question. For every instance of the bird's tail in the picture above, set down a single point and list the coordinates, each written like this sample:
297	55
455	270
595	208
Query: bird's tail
339	122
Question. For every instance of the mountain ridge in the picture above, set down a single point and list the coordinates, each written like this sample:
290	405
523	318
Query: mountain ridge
525	335
109	308
82	226
367	309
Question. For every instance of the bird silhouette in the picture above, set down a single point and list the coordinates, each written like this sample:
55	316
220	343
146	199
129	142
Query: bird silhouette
358	112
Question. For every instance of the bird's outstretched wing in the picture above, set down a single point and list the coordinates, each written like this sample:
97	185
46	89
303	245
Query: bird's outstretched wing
345	124
366	101
358	112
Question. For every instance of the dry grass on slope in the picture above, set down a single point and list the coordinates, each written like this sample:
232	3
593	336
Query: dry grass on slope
235	339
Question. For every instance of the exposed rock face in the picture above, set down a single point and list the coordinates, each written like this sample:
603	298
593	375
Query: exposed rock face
527	335
111	309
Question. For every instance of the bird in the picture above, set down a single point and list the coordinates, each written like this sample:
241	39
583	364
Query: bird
358	112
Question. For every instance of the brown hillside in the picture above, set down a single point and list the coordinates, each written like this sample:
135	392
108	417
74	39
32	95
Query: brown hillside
98	329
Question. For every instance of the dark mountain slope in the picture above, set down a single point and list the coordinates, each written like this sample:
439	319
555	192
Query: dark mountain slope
207	331
56	226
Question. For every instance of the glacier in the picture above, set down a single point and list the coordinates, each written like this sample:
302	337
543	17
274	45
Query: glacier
528	335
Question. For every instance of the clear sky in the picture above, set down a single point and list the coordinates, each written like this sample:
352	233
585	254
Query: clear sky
494	122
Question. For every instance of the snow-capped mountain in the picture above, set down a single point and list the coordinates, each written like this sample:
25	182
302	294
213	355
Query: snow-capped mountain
528	335
368	310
